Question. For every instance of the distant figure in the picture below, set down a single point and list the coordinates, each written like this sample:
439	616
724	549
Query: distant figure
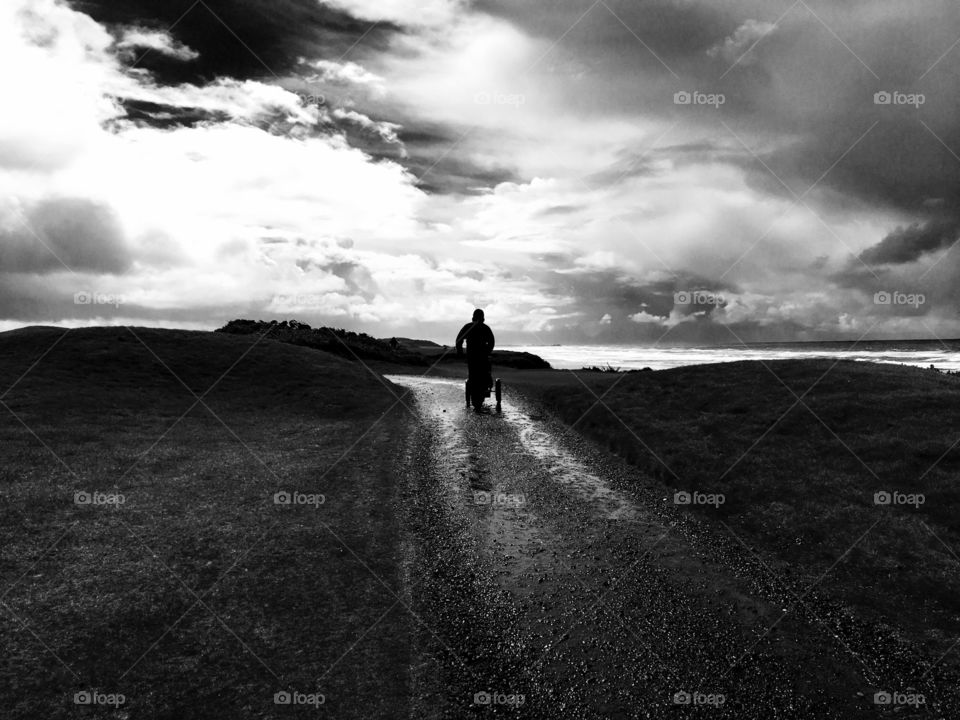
394	344
480	342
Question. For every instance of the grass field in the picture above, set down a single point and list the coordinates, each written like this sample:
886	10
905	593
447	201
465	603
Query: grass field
799	449
197	596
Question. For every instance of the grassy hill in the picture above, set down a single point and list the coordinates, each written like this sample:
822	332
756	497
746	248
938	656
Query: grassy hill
344	343
360	347
192	596
800	478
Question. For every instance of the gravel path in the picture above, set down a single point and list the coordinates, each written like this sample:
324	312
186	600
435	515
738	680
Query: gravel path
550	580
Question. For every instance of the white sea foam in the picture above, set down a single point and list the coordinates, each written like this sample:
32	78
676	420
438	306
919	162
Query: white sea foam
628	357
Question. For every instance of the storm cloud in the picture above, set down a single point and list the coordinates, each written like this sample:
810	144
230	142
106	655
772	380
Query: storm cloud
72	234
570	167
908	244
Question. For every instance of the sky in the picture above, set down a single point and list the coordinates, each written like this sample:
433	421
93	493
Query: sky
658	172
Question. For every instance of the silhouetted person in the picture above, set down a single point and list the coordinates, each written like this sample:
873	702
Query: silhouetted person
480	341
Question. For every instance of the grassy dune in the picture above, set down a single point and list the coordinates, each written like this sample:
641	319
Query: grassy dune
800	478
198	597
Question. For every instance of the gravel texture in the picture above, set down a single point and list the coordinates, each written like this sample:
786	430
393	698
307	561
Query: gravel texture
551	580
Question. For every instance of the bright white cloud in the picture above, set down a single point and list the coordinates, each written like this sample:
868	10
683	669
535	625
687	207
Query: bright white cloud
344	73
139	38
643	317
738	47
401	12
57	63
196	204
386	130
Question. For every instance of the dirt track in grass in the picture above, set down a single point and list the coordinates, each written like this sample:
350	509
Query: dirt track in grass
556	572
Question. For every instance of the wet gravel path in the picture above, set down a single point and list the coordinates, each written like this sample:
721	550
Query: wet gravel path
550	580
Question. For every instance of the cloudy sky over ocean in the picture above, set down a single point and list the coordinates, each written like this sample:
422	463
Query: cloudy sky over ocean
669	170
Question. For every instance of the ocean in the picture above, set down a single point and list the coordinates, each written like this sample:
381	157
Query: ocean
944	355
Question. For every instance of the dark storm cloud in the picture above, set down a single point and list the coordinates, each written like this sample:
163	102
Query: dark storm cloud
673	30
802	101
64	233
238	38
909	260
645	162
29	298
816	89
268	40
599	292
907	244
432	154
596	292
142	112
898	164
454	175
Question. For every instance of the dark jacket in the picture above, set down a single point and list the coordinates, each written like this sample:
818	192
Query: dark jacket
479	339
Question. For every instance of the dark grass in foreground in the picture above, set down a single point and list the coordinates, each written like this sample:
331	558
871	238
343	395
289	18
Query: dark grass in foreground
198	597
800	449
